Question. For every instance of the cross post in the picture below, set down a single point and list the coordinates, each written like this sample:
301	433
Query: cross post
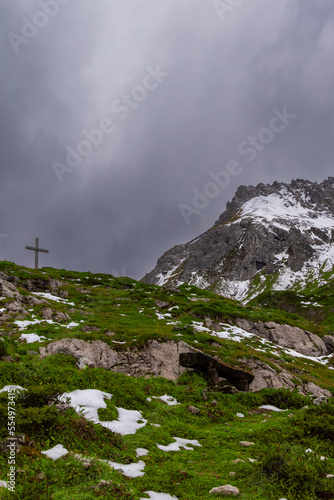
36	250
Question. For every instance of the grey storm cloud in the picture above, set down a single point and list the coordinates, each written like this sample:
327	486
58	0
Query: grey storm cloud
115	116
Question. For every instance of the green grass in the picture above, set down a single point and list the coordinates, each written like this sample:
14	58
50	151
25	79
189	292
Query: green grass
128	308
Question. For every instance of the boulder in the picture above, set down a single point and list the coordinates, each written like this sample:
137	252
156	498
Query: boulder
208	322
193	409
214	368
9	359
226	490
267	377
61	316
162	304
47	313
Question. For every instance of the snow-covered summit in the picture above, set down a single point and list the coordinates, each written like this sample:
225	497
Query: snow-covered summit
282	233
283	210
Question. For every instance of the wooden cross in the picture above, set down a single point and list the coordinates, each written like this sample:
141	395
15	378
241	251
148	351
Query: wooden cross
37	249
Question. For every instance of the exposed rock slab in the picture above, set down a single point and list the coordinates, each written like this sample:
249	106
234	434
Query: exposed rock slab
9	290
291	337
154	359
162	360
268	377
329	341
95	354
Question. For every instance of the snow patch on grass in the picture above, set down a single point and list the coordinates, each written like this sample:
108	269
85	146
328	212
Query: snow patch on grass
88	402
30	338
178	444
49	296
158	496
167	399
55	452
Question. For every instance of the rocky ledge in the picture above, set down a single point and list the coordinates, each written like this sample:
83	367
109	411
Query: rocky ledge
162	360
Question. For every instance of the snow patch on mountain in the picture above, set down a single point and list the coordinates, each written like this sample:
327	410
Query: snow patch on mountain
283	209
171	273
237	290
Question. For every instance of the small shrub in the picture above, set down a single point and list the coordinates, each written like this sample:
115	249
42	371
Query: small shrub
36	420
122	283
3	349
284	398
38	396
316	422
274	464
298	474
111	492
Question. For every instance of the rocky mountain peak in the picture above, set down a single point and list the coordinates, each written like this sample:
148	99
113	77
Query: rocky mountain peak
278	233
308	194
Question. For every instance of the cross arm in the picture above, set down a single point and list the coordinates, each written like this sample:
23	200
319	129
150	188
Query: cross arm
37	249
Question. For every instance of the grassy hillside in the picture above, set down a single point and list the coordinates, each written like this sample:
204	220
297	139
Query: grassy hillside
99	304
314	303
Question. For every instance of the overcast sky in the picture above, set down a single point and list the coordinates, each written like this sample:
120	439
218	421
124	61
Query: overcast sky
117	114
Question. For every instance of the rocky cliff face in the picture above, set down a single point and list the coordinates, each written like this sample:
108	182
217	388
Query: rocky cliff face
280	235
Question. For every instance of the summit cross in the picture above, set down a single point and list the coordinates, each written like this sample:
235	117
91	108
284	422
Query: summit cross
37	249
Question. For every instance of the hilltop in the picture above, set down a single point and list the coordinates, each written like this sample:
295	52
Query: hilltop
110	347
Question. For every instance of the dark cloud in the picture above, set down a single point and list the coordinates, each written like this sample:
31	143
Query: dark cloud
220	80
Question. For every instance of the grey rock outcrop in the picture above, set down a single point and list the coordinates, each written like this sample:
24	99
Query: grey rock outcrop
315	390
162	360
162	304
16	308
13	306
154	359
269	377
320	401
95	354
329	341
45	285
287	336
17	303
47	313
7	289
